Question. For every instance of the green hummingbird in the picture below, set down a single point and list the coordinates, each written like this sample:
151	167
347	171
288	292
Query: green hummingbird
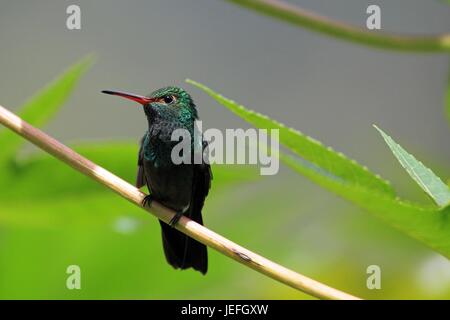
182	187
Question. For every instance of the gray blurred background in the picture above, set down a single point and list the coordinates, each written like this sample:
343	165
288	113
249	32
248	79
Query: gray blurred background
331	90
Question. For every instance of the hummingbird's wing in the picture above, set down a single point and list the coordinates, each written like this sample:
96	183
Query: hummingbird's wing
180	250
201	182
197	256
140	178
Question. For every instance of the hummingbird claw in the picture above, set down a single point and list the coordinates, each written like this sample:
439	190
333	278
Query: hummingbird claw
175	219
148	199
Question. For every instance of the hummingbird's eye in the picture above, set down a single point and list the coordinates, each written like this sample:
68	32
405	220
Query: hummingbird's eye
168	99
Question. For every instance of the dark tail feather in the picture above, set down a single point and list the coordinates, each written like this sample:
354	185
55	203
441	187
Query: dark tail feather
183	252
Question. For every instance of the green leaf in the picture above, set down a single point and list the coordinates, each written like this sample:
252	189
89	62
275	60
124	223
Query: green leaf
43	106
426	224
425	178
310	149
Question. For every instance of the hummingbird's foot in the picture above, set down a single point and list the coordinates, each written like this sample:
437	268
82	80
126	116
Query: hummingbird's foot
148	199
175	219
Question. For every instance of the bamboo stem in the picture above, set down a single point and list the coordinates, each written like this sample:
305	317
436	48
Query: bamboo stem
297	16
185	225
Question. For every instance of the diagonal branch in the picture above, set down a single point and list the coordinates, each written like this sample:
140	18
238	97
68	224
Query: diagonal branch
185	225
300	17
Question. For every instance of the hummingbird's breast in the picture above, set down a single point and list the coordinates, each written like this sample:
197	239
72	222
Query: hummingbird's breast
169	183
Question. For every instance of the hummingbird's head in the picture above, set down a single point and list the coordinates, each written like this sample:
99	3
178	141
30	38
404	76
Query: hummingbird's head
169	103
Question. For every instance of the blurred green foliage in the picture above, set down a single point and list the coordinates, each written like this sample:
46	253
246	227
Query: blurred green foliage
294	15
40	108
52	216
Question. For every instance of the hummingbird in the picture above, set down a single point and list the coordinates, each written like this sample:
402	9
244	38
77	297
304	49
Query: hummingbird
181	187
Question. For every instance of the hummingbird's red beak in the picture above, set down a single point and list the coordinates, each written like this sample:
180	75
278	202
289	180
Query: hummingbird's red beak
140	99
